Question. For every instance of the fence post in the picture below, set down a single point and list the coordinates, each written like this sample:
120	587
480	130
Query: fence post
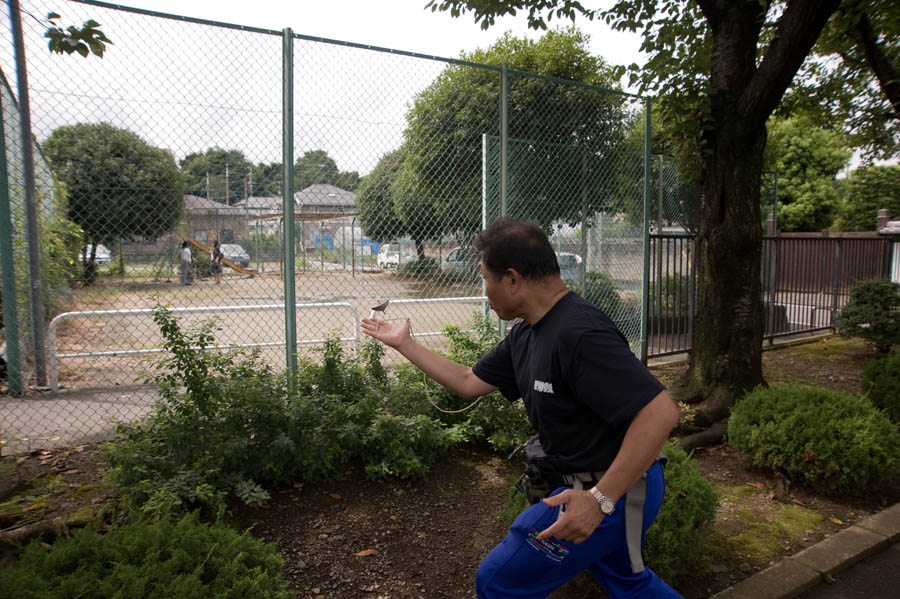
287	148
504	156
10	316
835	298
645	286
34	249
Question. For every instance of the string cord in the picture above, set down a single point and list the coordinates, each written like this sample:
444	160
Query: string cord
425	382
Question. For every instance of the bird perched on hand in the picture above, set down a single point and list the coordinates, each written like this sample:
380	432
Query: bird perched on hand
379	308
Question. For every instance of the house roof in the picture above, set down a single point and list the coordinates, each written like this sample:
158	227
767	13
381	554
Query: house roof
198	205
323	194
891	228
321	200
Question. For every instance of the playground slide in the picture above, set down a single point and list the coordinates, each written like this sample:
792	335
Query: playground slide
225	261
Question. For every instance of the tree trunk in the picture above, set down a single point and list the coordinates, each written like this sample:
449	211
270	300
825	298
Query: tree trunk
726	360
727	339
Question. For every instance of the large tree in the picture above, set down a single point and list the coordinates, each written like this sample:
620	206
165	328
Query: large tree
375	202
558	132
720	68
220	175
807	160
117	185
853	77
866	191
316	166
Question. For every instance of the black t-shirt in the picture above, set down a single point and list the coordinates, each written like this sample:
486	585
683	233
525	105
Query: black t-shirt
580	382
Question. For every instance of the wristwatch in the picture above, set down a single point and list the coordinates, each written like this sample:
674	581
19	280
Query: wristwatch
607	505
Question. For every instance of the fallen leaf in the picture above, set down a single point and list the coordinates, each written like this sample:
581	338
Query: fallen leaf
798	502
366	553
335	496
835	520
72	471
759	486
35	506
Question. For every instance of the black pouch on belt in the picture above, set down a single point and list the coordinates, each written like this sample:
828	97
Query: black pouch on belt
540	476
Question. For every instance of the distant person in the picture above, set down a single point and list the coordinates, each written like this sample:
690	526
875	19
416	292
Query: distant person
215	262
187	267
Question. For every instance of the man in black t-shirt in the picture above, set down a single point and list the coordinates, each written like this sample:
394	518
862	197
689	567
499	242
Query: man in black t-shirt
601	419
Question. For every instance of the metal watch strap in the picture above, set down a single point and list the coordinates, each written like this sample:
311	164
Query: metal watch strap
603	500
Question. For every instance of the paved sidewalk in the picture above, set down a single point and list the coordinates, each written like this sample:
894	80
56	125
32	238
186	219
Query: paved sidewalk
862	561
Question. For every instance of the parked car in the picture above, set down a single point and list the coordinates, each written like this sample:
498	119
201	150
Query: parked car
235	253
389	256
569	270
101	256
460	260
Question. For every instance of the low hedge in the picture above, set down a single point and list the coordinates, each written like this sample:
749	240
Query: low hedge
881	384
833	441
150	559
689	508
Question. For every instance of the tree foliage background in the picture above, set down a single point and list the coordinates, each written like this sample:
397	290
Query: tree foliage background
807	160
436	188
116	184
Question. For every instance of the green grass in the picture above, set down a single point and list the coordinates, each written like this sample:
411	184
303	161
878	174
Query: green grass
757	531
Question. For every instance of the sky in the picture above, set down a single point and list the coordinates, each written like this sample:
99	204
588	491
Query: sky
400	24
186	87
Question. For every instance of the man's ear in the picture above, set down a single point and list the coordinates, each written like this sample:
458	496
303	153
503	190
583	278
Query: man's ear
515	279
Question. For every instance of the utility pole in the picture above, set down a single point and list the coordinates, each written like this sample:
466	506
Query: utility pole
207	185
226	184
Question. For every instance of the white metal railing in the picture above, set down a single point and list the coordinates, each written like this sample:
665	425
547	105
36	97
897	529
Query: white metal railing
54	355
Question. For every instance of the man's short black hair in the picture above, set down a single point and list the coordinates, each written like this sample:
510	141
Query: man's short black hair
517	244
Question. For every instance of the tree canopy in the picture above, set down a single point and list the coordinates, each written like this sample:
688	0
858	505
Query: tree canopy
807	160
866	191
221	175
556	130
719	70
375	201
852	77
316	166
117	185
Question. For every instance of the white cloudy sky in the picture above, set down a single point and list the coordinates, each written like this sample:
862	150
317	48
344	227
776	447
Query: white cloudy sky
399	24
186	87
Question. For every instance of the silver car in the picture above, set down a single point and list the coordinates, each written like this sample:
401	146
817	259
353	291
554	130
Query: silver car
235	253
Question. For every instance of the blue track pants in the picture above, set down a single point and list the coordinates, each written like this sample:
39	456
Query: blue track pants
523	567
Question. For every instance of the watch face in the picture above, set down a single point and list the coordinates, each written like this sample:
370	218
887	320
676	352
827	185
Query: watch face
607	506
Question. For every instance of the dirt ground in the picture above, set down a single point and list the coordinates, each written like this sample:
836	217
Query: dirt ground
396	539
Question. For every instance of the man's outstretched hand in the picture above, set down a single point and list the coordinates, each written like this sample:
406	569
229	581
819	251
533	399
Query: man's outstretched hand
391	334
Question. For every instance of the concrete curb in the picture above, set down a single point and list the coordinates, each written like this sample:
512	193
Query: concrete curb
803	571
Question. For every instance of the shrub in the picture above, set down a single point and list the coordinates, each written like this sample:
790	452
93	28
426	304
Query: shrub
226	425
689	507
160	558
405	446
671	294
600	290
504	425
418	266
833	441
881	384
873	313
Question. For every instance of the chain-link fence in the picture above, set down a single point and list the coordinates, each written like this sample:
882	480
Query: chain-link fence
176	139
